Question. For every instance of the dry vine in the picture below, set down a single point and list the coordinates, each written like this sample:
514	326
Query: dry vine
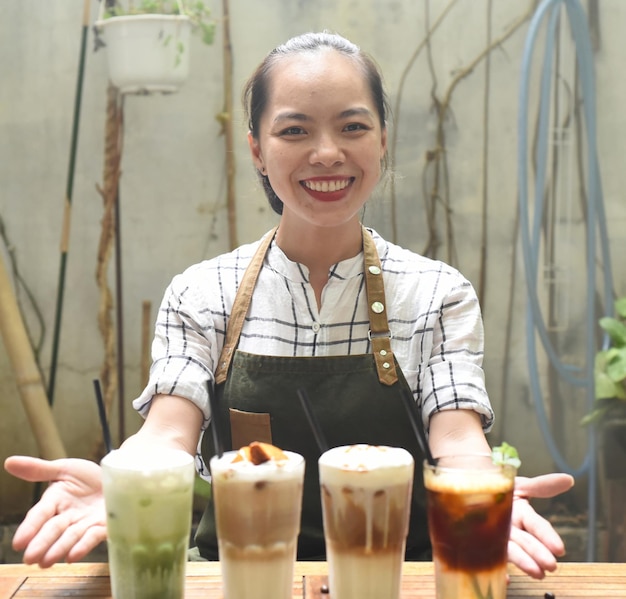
111	176
226	120
436	158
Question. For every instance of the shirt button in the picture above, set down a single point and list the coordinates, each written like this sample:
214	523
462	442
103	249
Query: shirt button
316	327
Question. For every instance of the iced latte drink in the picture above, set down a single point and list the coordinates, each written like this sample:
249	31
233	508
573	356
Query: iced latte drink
257	493
469	517
366	498
148	501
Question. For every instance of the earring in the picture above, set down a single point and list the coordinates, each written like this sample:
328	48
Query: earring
262	170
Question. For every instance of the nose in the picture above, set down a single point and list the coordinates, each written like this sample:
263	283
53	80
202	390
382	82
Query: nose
327	150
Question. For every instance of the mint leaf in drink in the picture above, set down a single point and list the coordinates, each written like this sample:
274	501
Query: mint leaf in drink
505	455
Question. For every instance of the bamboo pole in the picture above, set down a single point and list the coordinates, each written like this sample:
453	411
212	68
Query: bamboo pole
28	376
67	206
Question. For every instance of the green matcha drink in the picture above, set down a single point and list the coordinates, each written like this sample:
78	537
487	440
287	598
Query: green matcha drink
148	501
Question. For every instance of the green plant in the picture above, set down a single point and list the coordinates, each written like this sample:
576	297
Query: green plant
505	455
199	14
610	369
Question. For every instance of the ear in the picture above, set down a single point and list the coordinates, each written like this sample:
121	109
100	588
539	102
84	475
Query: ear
255	151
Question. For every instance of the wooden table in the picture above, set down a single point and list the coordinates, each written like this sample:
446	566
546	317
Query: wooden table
571	580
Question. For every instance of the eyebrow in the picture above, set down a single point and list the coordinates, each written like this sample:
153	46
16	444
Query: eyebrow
300	116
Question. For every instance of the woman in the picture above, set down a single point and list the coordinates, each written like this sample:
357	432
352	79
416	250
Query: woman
325	304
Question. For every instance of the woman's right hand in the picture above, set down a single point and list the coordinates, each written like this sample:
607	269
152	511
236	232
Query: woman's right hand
70	518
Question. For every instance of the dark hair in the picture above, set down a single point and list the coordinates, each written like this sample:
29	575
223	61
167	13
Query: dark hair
255	93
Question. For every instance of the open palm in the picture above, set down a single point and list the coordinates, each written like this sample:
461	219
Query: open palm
70	518
534	543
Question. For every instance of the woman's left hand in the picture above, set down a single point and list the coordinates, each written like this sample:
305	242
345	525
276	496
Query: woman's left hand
534	545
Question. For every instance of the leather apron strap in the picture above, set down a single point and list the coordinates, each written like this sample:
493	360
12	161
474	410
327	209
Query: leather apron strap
241	306
380	335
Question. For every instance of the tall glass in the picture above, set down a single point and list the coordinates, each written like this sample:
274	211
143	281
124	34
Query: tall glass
469	517
366	500
257	515
148	499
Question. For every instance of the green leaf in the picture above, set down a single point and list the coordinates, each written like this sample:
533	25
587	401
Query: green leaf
616	330
506	455
620	306
606	387
616	364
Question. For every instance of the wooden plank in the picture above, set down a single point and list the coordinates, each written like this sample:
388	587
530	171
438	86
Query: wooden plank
521	586
571	581
77	569
98	587
65	586
210	587
10	584
423	586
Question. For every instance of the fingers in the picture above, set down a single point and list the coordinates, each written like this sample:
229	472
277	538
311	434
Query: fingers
544	486
63	539
38	549
526	519
33	469
530	554
533	543
523	561
90	540
41	513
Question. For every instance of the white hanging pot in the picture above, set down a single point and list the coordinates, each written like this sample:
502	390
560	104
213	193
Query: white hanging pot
147	53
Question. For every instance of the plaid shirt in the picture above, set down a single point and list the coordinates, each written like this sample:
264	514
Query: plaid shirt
433	314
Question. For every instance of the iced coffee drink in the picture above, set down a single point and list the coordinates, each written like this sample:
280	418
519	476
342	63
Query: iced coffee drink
257	493
366	495
469	517
148	501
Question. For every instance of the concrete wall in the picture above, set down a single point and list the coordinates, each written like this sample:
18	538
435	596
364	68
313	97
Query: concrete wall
172	189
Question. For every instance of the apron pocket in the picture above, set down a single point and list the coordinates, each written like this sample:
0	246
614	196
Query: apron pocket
246	427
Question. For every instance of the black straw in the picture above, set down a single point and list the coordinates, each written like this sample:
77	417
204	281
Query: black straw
217	437
417	425
322	444
106	435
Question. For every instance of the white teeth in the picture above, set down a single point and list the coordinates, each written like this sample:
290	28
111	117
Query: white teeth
325	186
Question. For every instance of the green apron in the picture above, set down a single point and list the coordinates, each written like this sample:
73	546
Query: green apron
357	399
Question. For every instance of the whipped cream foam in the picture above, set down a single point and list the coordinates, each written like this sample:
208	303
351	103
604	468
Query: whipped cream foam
383	465
246	470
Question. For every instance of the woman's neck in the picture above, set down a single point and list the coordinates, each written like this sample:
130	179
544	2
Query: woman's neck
319	248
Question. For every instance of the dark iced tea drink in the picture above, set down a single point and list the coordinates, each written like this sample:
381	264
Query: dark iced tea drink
469	517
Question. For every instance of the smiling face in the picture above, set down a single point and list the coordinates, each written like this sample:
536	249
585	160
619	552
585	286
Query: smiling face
320	140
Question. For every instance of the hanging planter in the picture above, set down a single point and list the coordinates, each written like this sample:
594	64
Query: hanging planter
149	51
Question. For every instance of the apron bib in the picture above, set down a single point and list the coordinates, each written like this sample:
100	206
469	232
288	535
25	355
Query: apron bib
357	399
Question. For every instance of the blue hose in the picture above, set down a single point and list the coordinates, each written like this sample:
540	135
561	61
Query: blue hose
596	223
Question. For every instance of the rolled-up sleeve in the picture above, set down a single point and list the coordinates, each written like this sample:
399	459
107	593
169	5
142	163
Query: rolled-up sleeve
454	378
184	349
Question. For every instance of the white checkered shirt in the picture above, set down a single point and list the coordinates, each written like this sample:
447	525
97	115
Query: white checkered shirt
432	309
